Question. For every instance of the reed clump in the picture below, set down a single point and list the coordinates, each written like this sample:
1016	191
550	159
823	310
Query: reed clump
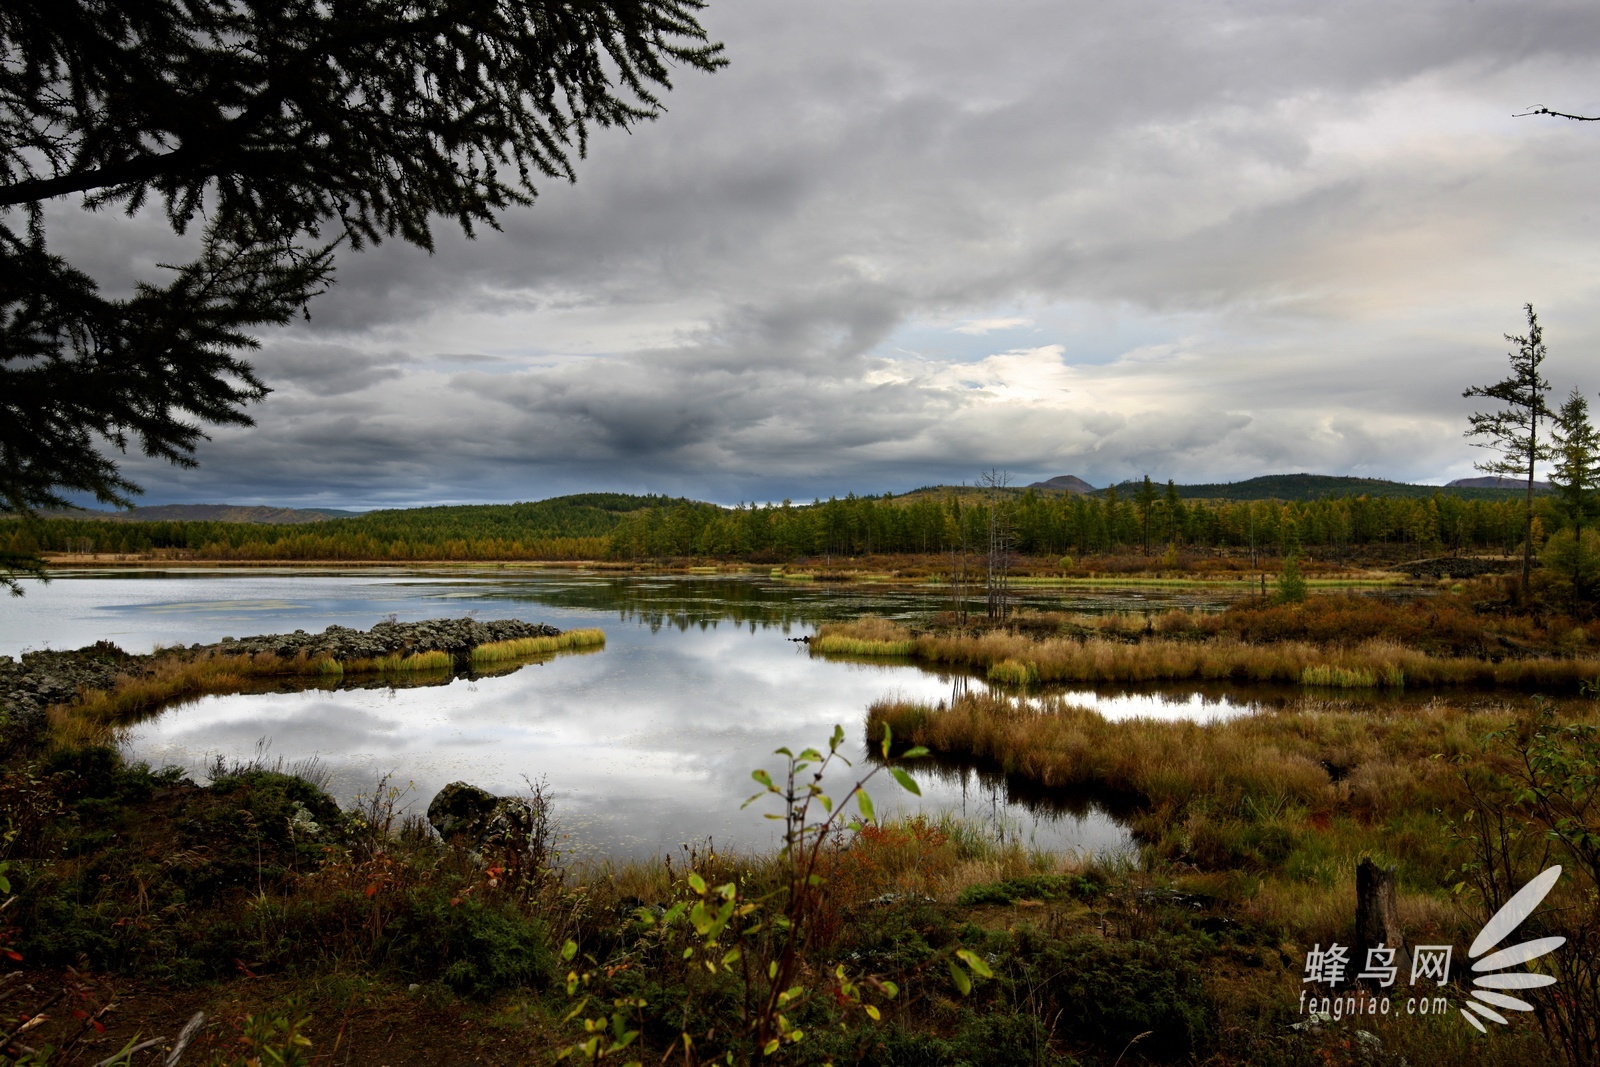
1300	794
1226	658
1359	678
396	661
866	636
522	647
1013	672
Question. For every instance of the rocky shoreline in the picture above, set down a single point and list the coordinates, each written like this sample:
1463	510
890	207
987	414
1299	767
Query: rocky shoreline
40	679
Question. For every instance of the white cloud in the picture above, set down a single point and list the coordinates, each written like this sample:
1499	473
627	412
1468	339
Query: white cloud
982	326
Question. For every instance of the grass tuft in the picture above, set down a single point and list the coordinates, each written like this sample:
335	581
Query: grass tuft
1013	672
417	661
1354	678
866	636
520	647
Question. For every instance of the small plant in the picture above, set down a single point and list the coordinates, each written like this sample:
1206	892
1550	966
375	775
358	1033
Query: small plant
275	1041
754	940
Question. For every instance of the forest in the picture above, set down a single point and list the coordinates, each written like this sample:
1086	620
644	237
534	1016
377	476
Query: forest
618	526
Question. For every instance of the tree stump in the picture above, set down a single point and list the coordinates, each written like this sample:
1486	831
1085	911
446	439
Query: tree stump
1378	921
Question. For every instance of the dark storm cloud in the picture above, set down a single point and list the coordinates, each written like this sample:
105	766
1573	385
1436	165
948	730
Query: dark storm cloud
327	369
1223	239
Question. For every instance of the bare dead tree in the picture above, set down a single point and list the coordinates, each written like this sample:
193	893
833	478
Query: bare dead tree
957	556
1000	542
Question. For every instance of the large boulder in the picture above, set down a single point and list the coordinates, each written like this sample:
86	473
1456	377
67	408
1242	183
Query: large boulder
476	817
460	809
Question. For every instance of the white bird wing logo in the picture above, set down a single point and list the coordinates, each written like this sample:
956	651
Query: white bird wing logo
1497	930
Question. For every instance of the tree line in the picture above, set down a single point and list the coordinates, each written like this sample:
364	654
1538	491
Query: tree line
1147	520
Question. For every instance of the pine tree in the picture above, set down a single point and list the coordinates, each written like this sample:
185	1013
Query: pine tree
1575	478
1513	431
290	128
1145	502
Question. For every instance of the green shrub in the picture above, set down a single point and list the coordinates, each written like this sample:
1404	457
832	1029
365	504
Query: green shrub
1002	1039
474	948
1110	992
1033	887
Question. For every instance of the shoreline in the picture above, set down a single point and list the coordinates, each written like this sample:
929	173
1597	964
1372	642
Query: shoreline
1362	577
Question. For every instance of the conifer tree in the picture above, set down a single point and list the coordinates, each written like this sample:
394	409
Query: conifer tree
1513	431
1575	477
290	127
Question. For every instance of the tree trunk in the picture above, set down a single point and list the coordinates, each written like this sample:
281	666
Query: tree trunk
1377	918
1527	531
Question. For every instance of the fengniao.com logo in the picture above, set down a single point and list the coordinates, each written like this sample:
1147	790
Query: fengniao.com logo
1430	970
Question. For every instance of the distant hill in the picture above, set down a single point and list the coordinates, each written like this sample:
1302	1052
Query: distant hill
1496	481
209	513
579	515
1318	486
1065	483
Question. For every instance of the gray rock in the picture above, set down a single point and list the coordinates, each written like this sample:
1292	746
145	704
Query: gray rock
468	815
461	810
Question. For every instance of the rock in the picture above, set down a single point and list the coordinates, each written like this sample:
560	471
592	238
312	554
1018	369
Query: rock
476	817
511	824
455	636
461	810
48	677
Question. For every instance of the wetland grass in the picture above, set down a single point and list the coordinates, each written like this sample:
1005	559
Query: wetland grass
1294	796
1182	646
522	647
417	661
1361	678
867	636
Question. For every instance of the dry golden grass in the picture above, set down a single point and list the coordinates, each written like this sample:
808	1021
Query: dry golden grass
1224	658
1300	794
1285	754
914	855
417	661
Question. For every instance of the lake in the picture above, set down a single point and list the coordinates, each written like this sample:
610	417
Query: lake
644	745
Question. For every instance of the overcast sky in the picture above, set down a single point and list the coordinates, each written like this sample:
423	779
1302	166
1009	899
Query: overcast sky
895	244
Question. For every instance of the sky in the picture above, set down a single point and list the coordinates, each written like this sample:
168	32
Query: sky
896	244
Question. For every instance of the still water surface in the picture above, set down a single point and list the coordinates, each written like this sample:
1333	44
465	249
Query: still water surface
645	745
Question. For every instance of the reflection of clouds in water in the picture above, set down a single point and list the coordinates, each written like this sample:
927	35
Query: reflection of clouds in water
1193	707
646	744
651	742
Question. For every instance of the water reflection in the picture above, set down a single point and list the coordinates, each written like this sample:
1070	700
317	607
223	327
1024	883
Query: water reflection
645	745
141	608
